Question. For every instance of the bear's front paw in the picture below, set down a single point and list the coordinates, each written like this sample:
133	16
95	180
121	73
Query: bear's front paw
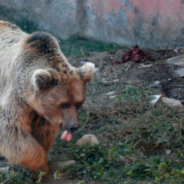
45	169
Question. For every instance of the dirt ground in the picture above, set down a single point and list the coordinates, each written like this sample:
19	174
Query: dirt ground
156	73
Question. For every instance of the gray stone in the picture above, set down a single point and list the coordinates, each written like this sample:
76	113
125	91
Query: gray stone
156	82
66	163
88	138
178	60
180	72
168	152
171	102
112	97
5	169
110	93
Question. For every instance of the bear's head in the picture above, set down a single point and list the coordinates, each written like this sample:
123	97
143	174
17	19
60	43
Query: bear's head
58	96
58	89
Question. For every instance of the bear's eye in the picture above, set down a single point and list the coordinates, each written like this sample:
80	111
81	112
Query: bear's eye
78	105
65	105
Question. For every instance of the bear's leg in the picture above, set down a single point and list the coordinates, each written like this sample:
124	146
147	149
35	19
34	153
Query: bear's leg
19	147
44	133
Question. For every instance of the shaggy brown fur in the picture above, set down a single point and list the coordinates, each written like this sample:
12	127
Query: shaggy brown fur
39	92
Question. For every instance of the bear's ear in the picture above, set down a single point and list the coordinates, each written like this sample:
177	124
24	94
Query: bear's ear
86	71
42	42
42	79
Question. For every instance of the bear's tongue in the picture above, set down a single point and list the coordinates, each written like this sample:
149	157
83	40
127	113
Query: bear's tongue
67	136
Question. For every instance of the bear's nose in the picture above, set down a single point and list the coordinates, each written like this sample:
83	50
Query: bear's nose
73	128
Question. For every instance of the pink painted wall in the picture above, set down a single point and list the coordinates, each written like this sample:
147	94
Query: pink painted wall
148	23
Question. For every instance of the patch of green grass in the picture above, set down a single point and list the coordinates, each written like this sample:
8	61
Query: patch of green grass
16	176
76	46
96	161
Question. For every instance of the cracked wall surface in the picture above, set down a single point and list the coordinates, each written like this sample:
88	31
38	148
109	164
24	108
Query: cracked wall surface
154	24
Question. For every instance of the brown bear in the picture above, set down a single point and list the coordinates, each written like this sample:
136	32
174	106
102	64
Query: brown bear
40	92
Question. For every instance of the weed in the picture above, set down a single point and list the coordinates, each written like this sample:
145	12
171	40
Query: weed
16	177
40	176
57	175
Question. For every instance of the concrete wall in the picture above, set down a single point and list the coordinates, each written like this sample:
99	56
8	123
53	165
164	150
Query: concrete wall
148	23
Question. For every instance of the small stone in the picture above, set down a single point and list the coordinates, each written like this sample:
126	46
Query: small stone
97	69
145	66
180	72
115	80
82	62
110	93
112	97
168	152
104	81
157	82
88	138
121	158
66	163
5	169
172	102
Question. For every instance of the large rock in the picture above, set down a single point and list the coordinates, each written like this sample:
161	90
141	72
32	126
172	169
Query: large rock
88	138
178	60
172	102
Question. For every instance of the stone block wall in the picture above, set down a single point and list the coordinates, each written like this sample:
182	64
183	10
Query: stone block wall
148	23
